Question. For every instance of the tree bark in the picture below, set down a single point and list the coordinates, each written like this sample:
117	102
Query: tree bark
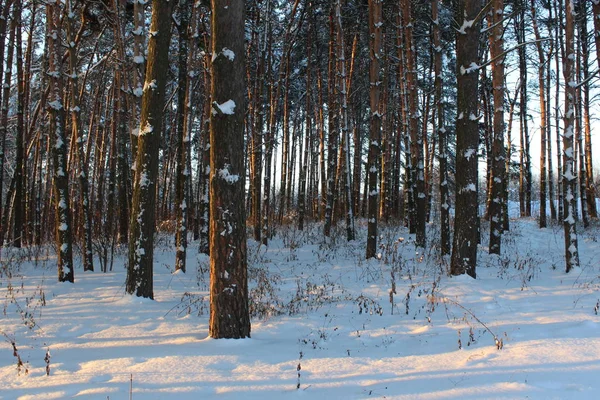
229	315
76	135
332	142
143	213
464	248
498	178
20	136
416	139
441	131
344	124
59	148
543	117
184	93
376	36
569	174
5	97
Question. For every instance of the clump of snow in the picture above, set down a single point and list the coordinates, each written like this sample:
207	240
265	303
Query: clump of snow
228	107
228	176
230	55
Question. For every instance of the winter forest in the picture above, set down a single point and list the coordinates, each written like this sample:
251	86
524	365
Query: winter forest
383	199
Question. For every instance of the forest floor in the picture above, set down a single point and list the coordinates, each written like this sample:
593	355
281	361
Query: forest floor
326	324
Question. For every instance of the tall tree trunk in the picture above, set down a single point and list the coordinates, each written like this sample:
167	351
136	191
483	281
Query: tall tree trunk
464	247
271	128
76	135
19	140
441	131
554	48
143	213
229	315
587	176
543	117
416	149
559	39
59	149
569	174
332	143
525	178
184	93
579	149
204	156
344	123
5	97
596	16
498	157
376	36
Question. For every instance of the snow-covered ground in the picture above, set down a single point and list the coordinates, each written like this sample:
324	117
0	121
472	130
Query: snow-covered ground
325	325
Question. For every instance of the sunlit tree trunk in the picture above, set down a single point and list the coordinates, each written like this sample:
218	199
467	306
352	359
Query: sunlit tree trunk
569	174
143	213
229	315
76	135
587	177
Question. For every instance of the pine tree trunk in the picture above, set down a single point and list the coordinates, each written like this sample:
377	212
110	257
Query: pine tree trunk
183	135
579	149
204	157
376	36
587	178
229	315
76	135
271	128
550	170
416	140
143	213
559	39
524	155
5	102
59	148
332	143
498	178
20	136
441	131
464	248
344	124
569	174
543	117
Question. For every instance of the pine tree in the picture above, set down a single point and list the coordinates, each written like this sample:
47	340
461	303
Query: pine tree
464	247
229	314
143	218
